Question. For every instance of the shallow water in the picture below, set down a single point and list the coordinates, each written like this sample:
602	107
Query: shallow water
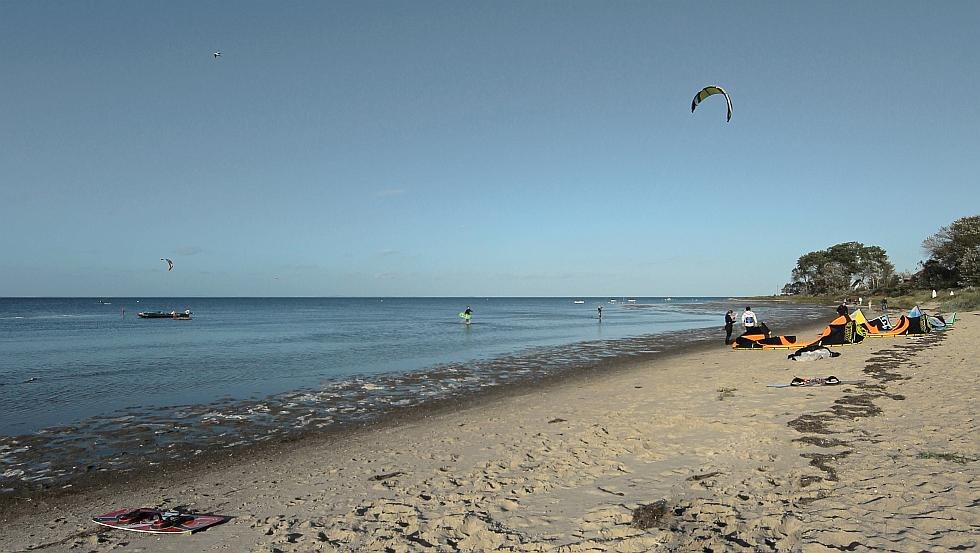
85	387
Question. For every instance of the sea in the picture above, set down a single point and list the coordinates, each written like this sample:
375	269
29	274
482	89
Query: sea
86	386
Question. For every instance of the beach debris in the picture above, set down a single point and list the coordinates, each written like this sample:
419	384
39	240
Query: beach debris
700	477
553	421
943	456
650	515
711	91
613	492
380	477
726	393
170	264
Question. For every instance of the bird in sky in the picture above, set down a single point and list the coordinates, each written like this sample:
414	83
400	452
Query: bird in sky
216	55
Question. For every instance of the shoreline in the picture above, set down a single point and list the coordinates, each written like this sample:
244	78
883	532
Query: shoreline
93	472
563	467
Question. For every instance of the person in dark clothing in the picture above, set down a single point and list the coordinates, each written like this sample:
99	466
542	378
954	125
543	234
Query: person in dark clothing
729	325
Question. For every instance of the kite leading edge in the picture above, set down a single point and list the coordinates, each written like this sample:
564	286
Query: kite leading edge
711	91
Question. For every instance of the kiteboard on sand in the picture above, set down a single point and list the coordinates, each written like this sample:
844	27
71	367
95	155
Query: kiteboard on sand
798	382
154	521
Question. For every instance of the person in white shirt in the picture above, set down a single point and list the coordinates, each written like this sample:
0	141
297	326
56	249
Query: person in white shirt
749	320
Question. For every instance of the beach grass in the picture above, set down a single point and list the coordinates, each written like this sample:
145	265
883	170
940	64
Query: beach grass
962	300
966	300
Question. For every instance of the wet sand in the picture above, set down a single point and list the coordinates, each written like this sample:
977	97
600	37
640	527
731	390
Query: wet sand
683	453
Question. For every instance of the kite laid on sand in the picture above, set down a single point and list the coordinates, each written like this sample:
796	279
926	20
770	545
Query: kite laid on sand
711	91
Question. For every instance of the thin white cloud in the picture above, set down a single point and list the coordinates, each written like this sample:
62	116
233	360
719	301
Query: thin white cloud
389	192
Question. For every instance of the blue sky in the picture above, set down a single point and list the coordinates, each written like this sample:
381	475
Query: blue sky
474	148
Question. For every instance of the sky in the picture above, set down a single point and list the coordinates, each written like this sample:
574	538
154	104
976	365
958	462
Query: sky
474	148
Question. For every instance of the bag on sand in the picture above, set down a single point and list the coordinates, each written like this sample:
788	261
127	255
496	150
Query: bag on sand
812	352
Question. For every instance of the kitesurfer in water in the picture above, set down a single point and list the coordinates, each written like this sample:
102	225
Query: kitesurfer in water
599	308
467	314
729	325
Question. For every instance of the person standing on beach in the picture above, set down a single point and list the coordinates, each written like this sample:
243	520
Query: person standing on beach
749	320
729	325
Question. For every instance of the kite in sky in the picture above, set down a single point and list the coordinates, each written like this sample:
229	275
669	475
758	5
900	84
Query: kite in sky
170	264
216	55
711	91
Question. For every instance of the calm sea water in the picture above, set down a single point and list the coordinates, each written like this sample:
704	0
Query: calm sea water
85	378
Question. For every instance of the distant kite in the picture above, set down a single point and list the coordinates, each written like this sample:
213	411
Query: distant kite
216	55
710	91
170	264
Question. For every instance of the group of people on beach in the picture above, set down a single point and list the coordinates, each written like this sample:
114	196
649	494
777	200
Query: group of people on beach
752	324
749	321
860	302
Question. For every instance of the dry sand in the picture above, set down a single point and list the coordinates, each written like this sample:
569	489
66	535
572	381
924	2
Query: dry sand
691	453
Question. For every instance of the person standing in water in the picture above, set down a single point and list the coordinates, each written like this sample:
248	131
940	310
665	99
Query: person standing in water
467	315
599	308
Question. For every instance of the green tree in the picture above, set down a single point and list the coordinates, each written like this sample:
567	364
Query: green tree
953	255
970	267
841	268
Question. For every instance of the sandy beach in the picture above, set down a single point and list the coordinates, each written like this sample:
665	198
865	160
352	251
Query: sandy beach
692	452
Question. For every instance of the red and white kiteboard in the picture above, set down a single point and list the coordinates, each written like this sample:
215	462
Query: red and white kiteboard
155	521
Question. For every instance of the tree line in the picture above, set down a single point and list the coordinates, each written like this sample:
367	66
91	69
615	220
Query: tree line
954	262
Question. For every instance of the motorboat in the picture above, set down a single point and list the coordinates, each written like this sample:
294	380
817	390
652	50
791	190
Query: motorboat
182	316
155	315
